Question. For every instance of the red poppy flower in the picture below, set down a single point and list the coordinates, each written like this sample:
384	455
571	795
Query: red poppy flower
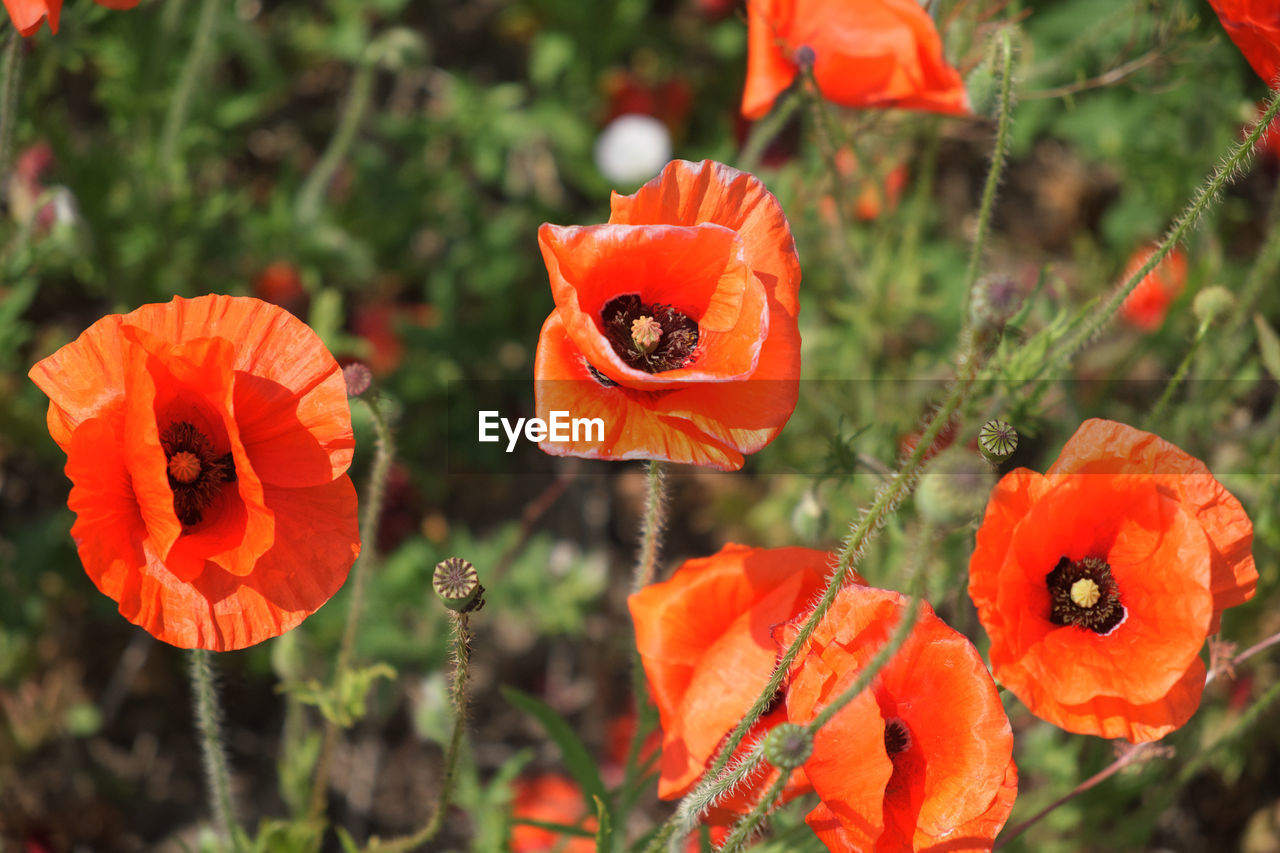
206	443
1254	26
1146	304
704	639
866	53
921	761
675	323
550	798
1099	581
29	15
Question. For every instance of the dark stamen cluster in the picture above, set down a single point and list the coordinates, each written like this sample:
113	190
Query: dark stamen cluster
190	498
897	737
676	347
1100	610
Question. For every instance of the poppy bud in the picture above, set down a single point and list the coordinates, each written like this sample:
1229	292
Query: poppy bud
997	440
358	378
456	582
955	487
995	299
788	746
1212	302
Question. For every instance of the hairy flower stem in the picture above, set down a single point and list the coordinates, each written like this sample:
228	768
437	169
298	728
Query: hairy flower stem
655	510
458	695
9	97
767	129
746	828
1157	413
999	154
1122	761
192	70
384	452
313	190
209	727
1204	198
886	502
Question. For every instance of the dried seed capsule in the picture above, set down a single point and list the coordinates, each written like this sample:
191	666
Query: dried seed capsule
456	582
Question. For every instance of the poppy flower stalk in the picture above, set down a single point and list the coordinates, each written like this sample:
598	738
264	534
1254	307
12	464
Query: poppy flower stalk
209	726
9	96
1225	172
197	59
651	527
371	514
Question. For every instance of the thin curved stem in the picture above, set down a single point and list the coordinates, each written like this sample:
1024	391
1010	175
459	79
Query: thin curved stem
176	117
999	154
384	452
209	726
655	506
766	130
1157	412
458	694
313	189
9	96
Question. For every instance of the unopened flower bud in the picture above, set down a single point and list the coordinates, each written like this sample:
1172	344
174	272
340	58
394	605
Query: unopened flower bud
996	298
788	746
955	487
997	439
358	378
1212	302
804	56
456	582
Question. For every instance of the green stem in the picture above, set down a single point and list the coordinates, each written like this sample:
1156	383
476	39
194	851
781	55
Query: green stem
999	155
745	828
850	262
1202	201
9	97
209	727
384	452
317	182
1153	419
887	500
458	693
1246	720
766	130
1122	761
651	527
192	70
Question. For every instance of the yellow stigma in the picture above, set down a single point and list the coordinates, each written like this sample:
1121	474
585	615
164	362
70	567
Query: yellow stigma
645	334
1085	592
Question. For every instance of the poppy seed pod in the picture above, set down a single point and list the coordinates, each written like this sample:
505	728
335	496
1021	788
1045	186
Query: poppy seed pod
456	582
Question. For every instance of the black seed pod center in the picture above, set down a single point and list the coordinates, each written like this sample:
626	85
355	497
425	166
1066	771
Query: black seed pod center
652	338
897	737
196	471
1083	593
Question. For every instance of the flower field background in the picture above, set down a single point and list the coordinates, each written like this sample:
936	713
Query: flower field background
380	171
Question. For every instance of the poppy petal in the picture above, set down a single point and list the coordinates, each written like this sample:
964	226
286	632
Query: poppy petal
28	15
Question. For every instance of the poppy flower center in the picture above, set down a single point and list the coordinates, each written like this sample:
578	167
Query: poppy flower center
652	338
196	471
897	737
1083	593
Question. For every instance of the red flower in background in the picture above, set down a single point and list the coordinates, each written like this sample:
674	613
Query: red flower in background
675	323
923	760
550	798
1146	305
29	15
704	639
866	53
1254	26
207	442
1099	581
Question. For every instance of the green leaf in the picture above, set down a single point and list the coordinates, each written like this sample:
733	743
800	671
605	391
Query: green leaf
576	758
342	703
604	835
1269	345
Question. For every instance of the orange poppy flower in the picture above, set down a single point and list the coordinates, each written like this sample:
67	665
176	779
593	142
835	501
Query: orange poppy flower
207	442
921	761
675	323
1099	581
704	639
550	798
1254	26
866	53
29	15
1146	304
